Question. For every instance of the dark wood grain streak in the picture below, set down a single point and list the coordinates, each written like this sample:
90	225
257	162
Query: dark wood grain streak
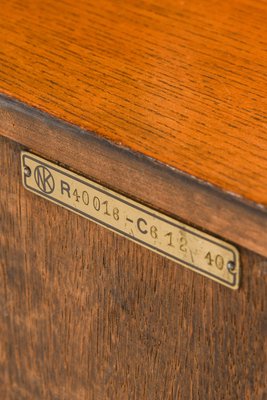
136	176
183	82
88	315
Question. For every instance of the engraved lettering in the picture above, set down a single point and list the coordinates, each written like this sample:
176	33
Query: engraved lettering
218	260
105	203
44	179
167	236
154	232
75	193
85	197
183	244
208	258
116	214
65	187
96	203
143	221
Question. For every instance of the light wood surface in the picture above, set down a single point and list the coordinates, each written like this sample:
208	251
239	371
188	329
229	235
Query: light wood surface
86	314
183	82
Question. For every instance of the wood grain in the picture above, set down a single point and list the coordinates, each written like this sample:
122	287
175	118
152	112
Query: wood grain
88	315
137	176
183	82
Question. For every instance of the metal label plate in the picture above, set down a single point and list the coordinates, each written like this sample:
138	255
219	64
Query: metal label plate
175	240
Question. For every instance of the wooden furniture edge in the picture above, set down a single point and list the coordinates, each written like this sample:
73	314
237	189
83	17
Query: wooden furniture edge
136	175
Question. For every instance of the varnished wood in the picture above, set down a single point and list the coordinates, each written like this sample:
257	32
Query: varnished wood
183	82
86	314
138	177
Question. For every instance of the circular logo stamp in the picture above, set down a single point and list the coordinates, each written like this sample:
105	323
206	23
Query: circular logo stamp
44	179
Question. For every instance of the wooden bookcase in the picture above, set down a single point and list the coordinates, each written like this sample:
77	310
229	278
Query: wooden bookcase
164	103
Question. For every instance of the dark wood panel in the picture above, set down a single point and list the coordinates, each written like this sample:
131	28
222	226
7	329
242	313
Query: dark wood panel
87	314
136	176
183	82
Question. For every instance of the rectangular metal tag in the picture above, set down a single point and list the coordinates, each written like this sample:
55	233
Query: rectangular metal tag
175	240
